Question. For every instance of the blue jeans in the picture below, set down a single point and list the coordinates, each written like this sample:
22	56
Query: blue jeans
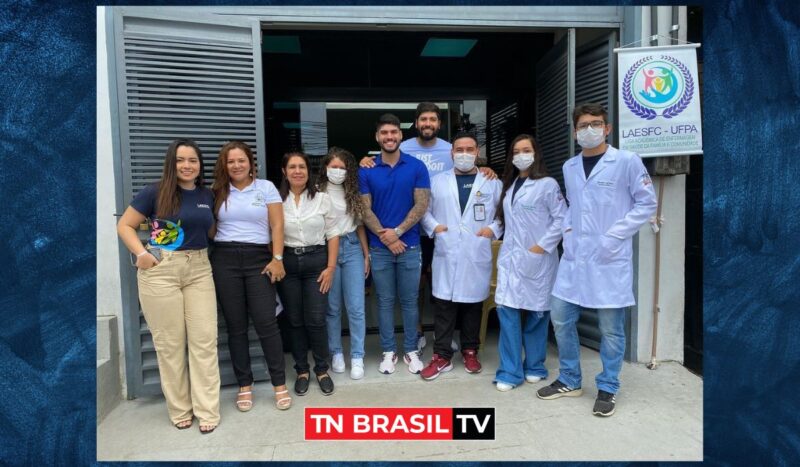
347	289
397	277
565	317
514	338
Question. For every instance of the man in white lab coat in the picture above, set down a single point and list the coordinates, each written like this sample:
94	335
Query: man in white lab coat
461	216
610	197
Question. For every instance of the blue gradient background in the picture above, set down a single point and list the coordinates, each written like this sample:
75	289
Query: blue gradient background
751	266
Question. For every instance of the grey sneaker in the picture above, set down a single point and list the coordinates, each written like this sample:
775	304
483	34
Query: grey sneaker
604	404
558	389
388	361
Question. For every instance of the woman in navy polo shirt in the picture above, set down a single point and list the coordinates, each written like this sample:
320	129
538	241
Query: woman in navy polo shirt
249	216
176	289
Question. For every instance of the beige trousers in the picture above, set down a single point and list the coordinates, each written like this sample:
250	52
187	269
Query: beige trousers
180	306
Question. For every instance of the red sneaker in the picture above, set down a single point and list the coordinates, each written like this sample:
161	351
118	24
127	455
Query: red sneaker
435	367
471	362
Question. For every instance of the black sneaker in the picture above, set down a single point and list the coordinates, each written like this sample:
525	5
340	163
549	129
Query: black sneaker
604	404
301	385
558	389
325	384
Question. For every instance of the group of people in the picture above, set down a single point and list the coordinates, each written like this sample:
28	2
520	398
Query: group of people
421	203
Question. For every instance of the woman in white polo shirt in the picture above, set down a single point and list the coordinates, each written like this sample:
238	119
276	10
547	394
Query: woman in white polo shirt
249	216
310	264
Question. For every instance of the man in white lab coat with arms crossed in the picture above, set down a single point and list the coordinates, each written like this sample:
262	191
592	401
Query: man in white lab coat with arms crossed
610	197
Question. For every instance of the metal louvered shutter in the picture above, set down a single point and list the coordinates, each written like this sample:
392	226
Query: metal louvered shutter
553	106
196	76
503	124
594	82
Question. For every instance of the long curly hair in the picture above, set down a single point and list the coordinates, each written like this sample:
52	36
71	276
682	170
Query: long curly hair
352	196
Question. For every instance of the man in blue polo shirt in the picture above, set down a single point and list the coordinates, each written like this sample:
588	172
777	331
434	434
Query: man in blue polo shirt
395	194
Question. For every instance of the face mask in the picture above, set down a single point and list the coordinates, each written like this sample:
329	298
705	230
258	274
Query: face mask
336	176
522	160
464	162
590	138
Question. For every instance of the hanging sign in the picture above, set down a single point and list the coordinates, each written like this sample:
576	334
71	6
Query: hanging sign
659	100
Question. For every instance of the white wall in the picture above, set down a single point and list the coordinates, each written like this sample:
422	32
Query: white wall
109	301
672	276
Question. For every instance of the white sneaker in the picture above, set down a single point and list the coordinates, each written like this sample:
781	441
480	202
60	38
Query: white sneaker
504	387
387	364
533	379
337	363
421	342
415	365
356	368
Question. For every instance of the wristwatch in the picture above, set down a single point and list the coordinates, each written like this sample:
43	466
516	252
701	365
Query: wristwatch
278	257
398	231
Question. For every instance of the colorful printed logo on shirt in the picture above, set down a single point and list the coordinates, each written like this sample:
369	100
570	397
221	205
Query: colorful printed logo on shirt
166	234
652	85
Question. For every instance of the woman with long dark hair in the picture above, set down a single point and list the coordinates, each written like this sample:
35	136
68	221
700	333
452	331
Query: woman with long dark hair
249	217
531	209
310	264
176	288
338	177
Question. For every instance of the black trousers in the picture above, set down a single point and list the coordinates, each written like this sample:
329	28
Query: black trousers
445	319
245	294
306	307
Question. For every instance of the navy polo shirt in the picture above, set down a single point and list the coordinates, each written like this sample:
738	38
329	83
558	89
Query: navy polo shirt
392	190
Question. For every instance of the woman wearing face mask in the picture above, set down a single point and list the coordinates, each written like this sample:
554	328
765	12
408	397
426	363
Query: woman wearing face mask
339	179
310	265
532	210
176	288
249	217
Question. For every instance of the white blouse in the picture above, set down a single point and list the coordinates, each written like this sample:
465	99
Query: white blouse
310	222
345	223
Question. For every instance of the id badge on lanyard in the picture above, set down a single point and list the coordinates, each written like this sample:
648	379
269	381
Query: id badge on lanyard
479	212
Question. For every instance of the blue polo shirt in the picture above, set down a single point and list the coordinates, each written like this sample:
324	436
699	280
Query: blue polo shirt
392	190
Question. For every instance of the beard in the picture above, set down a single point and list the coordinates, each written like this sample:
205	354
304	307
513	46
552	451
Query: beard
428	137
385	147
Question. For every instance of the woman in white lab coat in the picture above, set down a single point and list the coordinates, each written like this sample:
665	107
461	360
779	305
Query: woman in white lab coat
531	209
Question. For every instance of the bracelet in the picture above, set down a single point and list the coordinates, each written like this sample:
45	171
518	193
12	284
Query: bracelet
142	253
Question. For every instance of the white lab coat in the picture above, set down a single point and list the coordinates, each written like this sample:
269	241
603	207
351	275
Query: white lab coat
605	211
462	260
525	279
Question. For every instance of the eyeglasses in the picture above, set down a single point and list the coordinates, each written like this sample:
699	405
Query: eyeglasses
596	124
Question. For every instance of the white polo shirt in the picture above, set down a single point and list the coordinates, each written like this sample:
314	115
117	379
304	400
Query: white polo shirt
245	217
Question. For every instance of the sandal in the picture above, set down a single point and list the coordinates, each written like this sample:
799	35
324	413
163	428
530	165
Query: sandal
283	403
184	424
244	405
207	431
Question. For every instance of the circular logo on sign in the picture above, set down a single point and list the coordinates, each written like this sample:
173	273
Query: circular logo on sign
657	87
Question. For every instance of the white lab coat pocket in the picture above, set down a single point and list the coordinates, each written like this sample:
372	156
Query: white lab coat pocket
568	244
610	248
533	265
481	250
442	243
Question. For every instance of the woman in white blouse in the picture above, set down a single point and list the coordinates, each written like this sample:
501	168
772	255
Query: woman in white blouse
249	216
308	221
338	177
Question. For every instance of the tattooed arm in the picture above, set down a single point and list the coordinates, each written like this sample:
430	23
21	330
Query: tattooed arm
421	199
369	218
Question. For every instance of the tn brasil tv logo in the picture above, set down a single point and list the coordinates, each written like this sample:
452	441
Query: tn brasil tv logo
657	87
399	423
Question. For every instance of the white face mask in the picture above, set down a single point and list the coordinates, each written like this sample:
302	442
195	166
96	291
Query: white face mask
522	160
336	176
464	162
589	138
